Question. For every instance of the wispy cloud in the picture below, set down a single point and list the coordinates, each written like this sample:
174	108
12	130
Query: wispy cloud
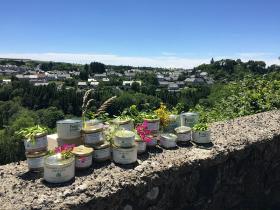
255	54
167	60
153	61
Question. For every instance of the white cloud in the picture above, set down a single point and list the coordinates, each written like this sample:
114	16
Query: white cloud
168	61
154	61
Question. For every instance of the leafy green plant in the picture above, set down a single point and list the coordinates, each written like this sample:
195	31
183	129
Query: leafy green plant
31	132
200	127
149	116
110	132
133	113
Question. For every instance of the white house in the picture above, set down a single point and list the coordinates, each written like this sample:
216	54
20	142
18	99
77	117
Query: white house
129	83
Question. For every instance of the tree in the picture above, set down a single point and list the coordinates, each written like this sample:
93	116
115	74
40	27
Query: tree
49	116
212	61
83	75
96	68
135	86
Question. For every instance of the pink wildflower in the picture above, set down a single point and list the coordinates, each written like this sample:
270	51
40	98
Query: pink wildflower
143	132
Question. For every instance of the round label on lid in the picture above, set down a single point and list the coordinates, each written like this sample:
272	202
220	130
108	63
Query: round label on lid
82	150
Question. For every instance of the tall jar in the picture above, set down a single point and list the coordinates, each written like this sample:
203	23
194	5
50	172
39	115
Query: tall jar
69	129
189	119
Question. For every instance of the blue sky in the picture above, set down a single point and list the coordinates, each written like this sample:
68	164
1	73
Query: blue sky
169	33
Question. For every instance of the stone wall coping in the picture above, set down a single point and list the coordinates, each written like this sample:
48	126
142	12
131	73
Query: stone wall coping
20	189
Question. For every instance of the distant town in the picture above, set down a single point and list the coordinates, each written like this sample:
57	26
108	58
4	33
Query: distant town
171	79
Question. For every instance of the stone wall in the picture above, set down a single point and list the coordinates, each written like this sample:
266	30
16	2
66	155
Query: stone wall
240	171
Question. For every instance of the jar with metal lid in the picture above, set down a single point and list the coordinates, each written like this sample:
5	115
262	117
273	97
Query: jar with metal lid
69	129
35	161
141	145
124	155
168	140
189	119
83	156
124	138
174	122
183	133
93	135
39	144
59	170
101	152
126	124
153	141
152	124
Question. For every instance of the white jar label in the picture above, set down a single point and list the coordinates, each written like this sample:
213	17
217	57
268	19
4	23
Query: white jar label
93	138
167	143
152	142
184	136
141	146
127	126
83	162
59	174
102	153
36	162
40	142
124	157
153	126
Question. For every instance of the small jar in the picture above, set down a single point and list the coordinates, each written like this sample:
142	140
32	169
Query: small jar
183	133
174	122
168	140
39	144
124	138
125	155
35	161
154	140
189	119
93	135
59	170
83	156
126	124
152	124
202	137
140	144
102	152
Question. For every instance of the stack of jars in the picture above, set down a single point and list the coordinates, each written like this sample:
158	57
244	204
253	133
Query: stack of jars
35	151
153	126
124	147
93	136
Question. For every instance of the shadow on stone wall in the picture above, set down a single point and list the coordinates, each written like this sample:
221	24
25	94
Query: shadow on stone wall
243	179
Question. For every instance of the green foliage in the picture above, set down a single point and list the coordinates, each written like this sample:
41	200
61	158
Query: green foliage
30	133
252	95
49	116
133	113
96	68
200	127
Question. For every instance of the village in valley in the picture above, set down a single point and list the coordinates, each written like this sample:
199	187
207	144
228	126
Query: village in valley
171	79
